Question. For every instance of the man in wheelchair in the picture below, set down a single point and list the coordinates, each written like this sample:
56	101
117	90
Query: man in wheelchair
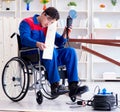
33	33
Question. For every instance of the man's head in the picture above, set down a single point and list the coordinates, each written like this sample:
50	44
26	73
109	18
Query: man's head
48	16
52	12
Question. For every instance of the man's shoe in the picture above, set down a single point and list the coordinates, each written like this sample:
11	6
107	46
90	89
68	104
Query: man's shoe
77	90
57	89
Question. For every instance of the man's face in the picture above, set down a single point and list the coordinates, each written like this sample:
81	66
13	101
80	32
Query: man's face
46	20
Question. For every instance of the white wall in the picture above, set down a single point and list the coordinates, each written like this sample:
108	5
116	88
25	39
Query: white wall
8	46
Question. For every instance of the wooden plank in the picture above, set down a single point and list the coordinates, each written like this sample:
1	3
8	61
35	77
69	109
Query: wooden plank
101	55
107	42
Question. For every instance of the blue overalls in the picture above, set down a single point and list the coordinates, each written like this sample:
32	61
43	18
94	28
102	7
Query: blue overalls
31	32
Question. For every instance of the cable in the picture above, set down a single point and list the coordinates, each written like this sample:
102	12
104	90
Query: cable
98	89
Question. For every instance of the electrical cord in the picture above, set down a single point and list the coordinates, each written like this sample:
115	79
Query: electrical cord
97	87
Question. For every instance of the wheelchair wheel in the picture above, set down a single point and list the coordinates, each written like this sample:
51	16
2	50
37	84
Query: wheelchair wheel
39	98
15	79
73	98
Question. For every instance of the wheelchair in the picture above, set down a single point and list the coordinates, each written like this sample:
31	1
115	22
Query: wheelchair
18	72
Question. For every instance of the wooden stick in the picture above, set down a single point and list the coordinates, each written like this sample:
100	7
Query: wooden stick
101	55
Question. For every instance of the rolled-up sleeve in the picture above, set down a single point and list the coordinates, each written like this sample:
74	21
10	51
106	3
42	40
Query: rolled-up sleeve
60	41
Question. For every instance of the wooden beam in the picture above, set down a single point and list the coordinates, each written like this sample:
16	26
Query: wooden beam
98	41
101	55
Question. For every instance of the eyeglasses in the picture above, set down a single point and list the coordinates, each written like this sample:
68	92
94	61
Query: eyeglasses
48	17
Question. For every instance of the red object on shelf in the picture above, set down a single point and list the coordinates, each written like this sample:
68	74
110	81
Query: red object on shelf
44	3
44	6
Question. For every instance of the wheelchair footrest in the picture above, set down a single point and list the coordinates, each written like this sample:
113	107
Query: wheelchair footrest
59	91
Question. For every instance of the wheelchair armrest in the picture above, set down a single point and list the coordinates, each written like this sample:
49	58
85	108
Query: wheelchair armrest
25	49
29	49
30	55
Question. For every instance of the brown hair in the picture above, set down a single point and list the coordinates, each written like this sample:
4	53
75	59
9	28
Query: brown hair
52	12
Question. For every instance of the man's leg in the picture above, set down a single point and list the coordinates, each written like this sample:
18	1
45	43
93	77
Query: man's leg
52	68
67	56
53	75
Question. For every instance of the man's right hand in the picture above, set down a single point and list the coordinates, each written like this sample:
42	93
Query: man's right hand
67	30
40	45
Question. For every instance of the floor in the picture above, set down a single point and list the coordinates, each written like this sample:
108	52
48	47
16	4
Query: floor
60	104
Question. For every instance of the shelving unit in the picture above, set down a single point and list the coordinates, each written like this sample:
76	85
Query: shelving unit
8	8
102	23
105	25
81	23
18	11
35	8
80	29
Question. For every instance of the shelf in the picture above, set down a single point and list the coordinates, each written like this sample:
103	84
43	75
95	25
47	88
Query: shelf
104	12
78	11
7	11
103	28
31	11
74	28
106	26
99	79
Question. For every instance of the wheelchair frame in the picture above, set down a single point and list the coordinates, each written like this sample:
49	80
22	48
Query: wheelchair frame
17	68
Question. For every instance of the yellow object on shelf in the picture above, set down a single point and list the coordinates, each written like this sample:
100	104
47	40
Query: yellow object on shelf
109	25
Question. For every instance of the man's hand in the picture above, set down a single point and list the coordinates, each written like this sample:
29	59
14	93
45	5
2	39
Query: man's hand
67	30
40	45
